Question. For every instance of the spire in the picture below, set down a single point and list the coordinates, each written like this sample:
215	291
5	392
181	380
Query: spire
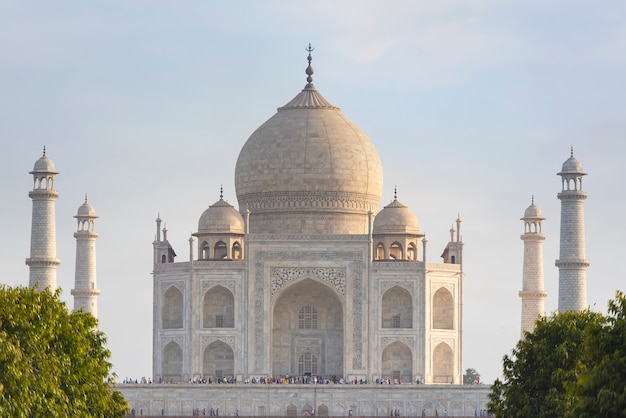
44	150
571	153
395	193
309	70
221	192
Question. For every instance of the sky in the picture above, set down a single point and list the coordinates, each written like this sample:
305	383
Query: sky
473	106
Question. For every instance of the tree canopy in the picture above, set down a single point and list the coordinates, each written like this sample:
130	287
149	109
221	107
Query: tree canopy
572	365
471	377
53	362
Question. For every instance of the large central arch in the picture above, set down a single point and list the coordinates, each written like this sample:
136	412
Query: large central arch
307	331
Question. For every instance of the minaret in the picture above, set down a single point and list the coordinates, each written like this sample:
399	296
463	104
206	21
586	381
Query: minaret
572	263
43	260
532	292
85	291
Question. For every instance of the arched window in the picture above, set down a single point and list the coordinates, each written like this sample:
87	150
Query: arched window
443	364
395	251
236	251
307	363
397	362
219	308
221	250
397	308
411	252
307	317
172	309
206	251
218	360
380	251
172	366
443	309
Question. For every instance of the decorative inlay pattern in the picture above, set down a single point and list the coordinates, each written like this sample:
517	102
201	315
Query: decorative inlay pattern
230	340
388	284
355	277
228	284
438	340
408	341
178	339
334	276
179	284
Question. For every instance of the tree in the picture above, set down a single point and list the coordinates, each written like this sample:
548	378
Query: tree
53	362
600	390
542	367
471	377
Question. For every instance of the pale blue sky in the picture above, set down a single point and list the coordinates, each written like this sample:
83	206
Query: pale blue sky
473	106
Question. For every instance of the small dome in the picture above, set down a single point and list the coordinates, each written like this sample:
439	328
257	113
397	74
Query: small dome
86	211
221	218
44	165
533	211
572	166
396	218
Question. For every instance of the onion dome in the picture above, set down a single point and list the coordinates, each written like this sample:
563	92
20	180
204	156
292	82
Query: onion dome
396	218
221	218
309	170
44	165
572	166
86	210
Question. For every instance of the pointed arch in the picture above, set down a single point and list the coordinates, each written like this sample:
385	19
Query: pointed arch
172	309
206	250
218	310
396	251
292	411
443	364
236	251
220	250
397	362
294	347
443	309
380	251
218	360
397	308
172	365
411	252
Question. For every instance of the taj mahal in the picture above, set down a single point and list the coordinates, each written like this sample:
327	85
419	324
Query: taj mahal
309	280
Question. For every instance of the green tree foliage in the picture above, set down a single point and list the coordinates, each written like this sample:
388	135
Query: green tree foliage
600	390
53	362
541	368
471	377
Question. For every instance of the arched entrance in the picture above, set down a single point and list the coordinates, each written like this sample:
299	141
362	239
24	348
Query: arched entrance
307	331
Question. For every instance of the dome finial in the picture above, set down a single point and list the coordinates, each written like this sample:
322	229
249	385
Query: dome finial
44	150
532	199
395	193
221	192
571	153
309	70
85	197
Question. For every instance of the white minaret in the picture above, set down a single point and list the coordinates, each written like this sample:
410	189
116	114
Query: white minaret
43	259
85	291
532	292
572	263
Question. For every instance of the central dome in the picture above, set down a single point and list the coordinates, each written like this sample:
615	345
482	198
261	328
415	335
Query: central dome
309	170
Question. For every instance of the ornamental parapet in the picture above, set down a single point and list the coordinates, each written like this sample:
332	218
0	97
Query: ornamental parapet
572	264
42	262
443	267
342	201
532	294
572	195
43	194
